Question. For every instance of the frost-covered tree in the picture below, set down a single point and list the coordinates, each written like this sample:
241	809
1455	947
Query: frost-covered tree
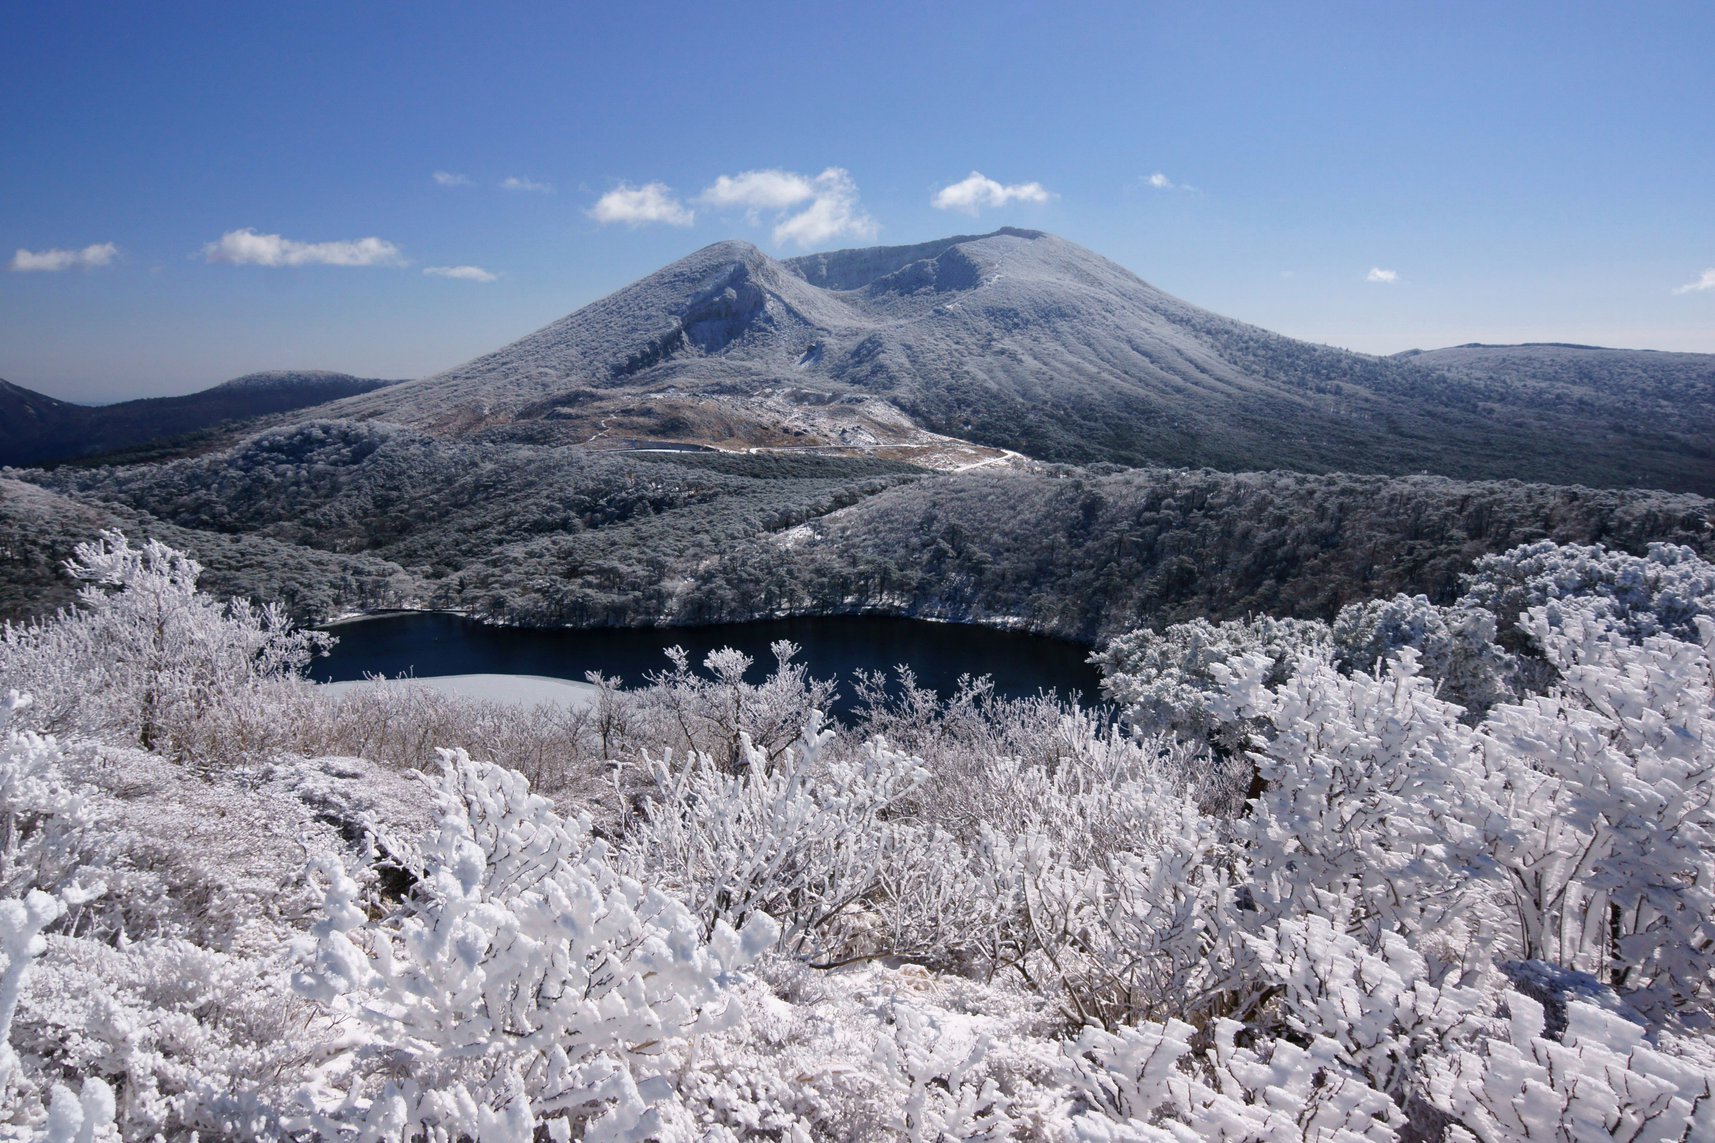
149	659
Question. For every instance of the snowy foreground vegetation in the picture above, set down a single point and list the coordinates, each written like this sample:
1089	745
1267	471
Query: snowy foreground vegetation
1421	873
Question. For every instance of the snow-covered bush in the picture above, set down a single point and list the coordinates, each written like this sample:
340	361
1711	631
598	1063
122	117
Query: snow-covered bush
85	1116
1660	593
523	983
190	1039
1608	786
42	819
1147	1084
401	725
1106	891
694	713
799	837
1371	804
1455	646
147	659
1165	680
1604	1077
1388	1009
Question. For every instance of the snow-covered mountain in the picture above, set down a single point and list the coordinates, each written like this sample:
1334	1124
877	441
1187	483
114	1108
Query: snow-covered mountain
38	429
1017	340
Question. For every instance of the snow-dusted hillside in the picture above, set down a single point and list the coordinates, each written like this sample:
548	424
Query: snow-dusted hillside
1633	389
1015	339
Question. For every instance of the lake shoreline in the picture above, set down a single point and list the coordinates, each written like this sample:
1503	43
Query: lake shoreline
441	643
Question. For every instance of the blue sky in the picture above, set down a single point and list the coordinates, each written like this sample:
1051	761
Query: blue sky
190	192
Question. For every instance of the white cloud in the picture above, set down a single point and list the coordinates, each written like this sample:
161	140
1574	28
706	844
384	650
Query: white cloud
50	260
829	204
1159	181
759	190
1385	277
833	213
513	182
637	206
462	273
449	179
1705	281
976	191
248	248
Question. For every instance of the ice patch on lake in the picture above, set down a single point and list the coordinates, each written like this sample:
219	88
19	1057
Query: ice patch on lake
524	690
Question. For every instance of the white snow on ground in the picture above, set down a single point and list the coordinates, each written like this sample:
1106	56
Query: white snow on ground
525	690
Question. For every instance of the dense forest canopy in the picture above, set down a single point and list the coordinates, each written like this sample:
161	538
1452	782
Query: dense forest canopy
339	515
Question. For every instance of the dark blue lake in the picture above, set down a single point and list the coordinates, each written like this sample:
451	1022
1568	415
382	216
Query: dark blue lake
427	644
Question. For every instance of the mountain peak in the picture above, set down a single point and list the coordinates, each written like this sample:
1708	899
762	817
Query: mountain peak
857	268
1013	339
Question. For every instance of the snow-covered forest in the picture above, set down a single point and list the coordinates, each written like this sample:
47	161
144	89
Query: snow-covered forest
1422	872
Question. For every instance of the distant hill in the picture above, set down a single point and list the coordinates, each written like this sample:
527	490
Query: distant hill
1644	390
37	429
1024	341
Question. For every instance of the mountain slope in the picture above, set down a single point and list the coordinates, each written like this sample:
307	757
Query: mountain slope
37	429
1641	387
1015	339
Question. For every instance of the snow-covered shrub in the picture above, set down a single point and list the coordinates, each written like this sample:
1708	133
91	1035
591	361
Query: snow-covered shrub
1342	1046
147	659
1604	1077
947	1094
42	819
1164	680
1387	1009
21	923
695	713
1372	808
799	837
524	983
190	1039
1091	875
1166	683
1455	646
1146	1084
1609	789
1107	898
1660	593
88	1115
915	718
401	724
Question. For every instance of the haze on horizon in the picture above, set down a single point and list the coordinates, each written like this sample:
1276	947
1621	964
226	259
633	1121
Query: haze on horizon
199	192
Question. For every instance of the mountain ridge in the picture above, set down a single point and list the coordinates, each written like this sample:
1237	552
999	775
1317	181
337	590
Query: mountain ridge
1014	340
37	429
